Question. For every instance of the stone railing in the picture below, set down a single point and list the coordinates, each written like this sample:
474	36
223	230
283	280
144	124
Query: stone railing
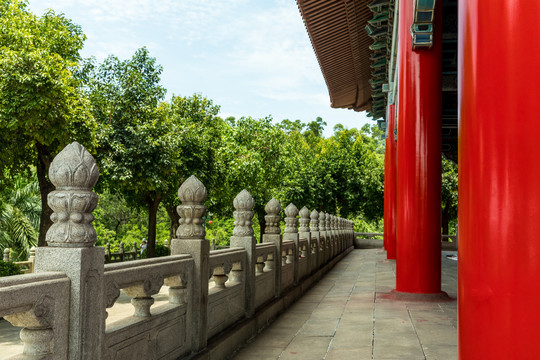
121	254
27	267
216	299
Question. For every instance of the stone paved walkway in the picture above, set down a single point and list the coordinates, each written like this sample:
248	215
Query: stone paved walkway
346	316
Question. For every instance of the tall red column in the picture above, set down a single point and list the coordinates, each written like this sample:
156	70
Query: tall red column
390	187
499	172
418	267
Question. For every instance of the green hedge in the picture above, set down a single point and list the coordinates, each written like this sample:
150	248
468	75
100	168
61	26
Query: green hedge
9	268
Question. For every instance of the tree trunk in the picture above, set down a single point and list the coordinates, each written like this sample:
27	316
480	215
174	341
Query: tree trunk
262	223
445	219
174	218
43	162
152	200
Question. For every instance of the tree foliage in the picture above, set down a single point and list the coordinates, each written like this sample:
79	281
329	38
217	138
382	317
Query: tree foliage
42	106
20	210
146	146
449	194
139	152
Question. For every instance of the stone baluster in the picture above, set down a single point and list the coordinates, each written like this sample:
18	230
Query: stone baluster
121	251
166	243
290	257
177	289
243	237
259	266
37	334
141	294
291	234
315	238
6	254
190	239
71	249
304	233
32	258
272	234
134	250
237	273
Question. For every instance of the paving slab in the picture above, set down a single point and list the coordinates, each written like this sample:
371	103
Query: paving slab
347	316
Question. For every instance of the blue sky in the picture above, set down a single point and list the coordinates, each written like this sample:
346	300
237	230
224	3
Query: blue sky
253	58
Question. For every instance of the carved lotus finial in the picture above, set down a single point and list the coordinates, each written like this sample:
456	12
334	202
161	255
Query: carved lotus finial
291	210
74	167
192	191
304	213
273	207
243	201
314	215
74	172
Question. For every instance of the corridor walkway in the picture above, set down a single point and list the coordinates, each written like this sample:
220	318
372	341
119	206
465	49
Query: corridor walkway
346	315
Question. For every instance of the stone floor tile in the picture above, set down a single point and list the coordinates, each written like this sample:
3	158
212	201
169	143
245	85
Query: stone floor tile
440	352
358	353
307	348
320	327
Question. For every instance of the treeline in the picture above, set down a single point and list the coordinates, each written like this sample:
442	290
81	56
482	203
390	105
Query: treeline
146	144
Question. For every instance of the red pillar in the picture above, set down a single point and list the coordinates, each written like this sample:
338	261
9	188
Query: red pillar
499	172
390	187
418	267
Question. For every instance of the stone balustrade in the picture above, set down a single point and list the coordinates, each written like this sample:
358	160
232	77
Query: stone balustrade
27	267
121	254
217	299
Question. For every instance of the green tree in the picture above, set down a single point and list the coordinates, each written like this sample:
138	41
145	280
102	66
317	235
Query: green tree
252	158
449	194
42	105
140	153
315	127
199	132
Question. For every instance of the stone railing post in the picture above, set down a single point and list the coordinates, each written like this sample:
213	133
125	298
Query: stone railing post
6	254
243	237
190	239
272	234
304	233
330	235
315	238
121	251
291	234
71	248
32	259
322	236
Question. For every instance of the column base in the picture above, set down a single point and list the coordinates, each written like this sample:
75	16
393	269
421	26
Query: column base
415	297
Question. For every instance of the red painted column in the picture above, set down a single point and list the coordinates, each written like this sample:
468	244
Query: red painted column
390	187
418	266
499	172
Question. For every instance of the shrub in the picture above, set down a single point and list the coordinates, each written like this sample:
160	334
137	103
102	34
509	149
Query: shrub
161	250
9	268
